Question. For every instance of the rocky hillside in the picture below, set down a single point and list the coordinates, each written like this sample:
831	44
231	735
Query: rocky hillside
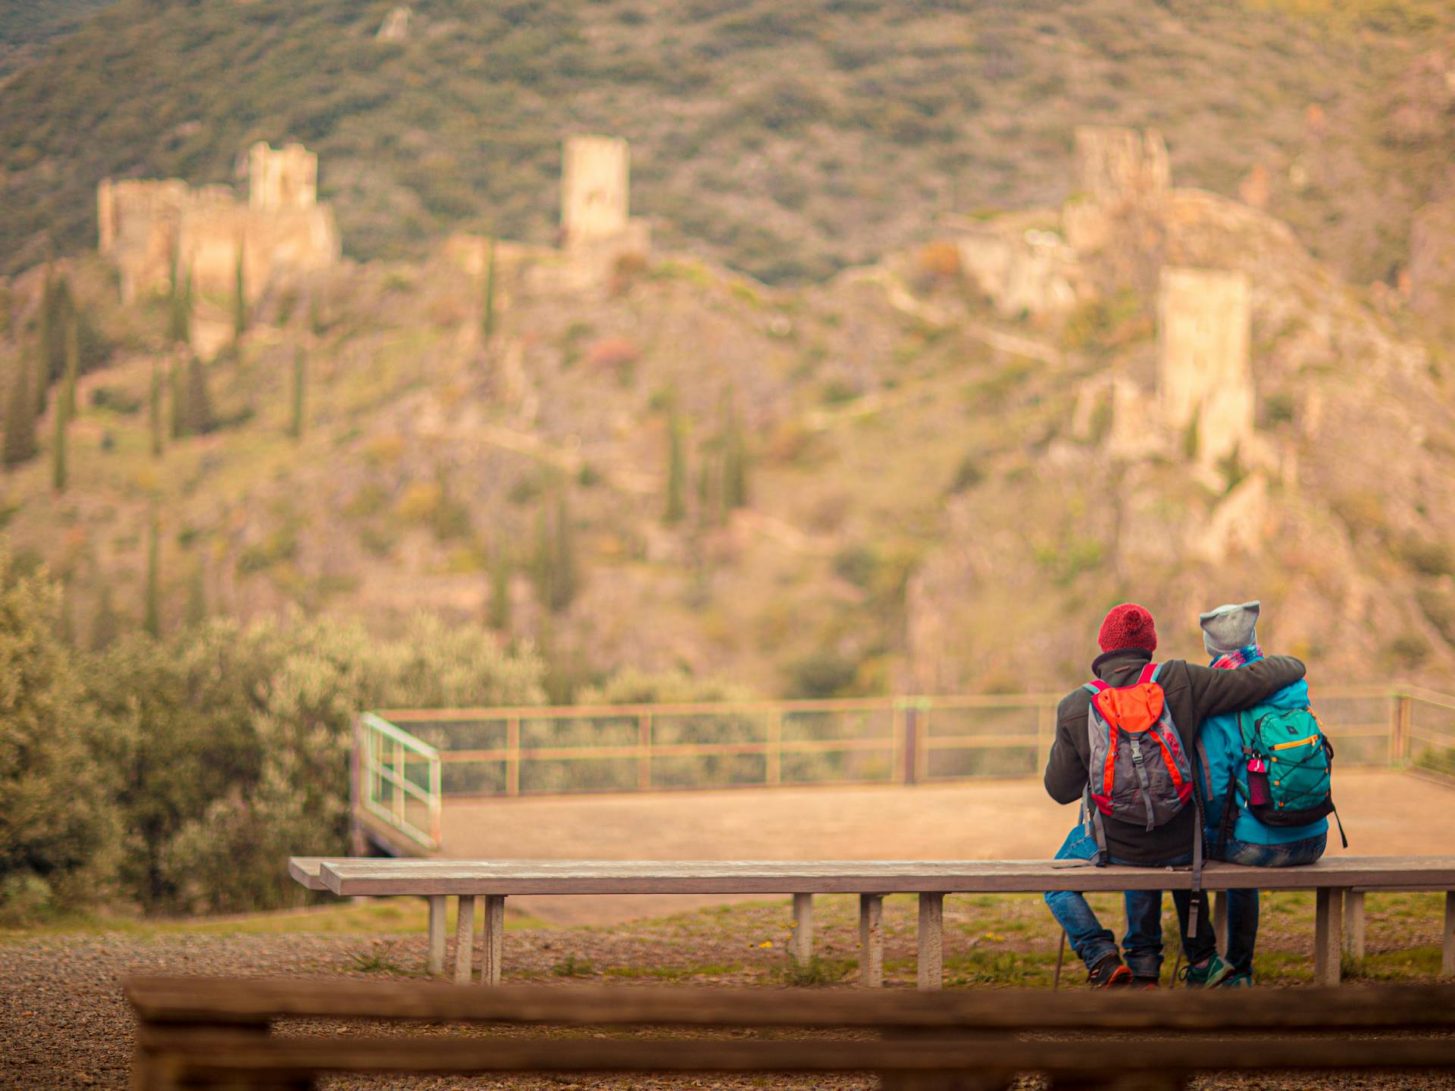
788	141
930	473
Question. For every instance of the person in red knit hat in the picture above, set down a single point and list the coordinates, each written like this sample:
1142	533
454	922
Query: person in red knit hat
1191	694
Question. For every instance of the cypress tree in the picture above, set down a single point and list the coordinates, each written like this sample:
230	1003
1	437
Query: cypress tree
152	621
498	616
197	412
676	470
555	566
73	365
734	458
543	562
155	411
179	314
59	476
106	625
174	381
487	320
563	546
45	333
300	382
196	596
239	297
20	444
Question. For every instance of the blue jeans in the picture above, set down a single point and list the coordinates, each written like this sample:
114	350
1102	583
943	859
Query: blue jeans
1243	904
1142	945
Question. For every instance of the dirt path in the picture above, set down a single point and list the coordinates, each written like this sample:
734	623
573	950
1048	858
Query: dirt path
1384	813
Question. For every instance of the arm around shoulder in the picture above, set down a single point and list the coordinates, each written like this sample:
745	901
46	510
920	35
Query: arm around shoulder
1220	691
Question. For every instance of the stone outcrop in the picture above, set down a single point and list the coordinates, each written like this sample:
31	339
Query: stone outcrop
1432	261
1028	271
154	230
395	27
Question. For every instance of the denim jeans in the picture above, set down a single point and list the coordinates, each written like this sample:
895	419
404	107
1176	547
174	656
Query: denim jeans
1142	945
1243	904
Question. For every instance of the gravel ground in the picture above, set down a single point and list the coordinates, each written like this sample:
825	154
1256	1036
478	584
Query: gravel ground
64	1024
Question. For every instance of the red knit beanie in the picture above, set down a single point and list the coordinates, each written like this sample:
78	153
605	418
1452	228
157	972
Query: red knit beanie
1127	626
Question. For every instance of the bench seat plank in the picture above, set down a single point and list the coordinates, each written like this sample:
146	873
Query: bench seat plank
506	877
499	1054
179	1000
306	870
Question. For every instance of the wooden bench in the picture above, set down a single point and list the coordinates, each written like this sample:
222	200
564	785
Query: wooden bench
198	1032
493	881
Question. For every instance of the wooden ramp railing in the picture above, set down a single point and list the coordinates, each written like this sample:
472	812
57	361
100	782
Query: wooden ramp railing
407	760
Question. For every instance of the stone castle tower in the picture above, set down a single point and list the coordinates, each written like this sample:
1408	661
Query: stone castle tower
595	187
1203	370
283	179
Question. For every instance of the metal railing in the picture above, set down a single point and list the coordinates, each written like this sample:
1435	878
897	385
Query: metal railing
906	740
399	779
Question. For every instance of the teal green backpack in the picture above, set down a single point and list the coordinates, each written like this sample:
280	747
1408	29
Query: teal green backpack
1289	761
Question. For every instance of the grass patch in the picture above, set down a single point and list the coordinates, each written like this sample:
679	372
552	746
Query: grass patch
382	916
818	971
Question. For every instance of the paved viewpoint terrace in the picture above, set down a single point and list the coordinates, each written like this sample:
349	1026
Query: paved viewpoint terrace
1384	813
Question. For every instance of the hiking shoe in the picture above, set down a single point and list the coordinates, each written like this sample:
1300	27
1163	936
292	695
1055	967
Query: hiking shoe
1237	981
1109	973
1145	982
1207	974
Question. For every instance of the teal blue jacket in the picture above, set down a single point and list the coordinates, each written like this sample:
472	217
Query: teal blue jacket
1220	754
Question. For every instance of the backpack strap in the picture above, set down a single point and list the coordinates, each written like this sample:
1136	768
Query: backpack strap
1095	686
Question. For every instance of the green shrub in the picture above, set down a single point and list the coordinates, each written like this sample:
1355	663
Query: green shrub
968	474
823	673
58	827
1427	557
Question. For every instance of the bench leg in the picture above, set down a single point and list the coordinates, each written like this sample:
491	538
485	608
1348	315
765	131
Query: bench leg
931	941
871	940
1220	919
1354	923
1447	958
464	939
435	965
1328	945
801	945
494	938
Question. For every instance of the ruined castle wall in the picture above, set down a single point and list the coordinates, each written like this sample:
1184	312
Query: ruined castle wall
1203	370
146	226
139	223
595	183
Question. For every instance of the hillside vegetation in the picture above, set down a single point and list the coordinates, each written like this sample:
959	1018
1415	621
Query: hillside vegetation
785	141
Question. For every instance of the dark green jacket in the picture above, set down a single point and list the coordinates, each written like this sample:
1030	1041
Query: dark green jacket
1193	694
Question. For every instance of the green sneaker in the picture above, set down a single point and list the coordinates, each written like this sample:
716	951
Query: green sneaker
1207	974
1237	981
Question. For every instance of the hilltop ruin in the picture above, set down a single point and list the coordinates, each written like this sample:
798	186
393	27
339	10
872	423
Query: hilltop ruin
162	234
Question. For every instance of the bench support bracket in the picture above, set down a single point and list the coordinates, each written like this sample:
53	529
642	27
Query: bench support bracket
1328	942
494	935
931	941
437	906
465	939
801	947
871	940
